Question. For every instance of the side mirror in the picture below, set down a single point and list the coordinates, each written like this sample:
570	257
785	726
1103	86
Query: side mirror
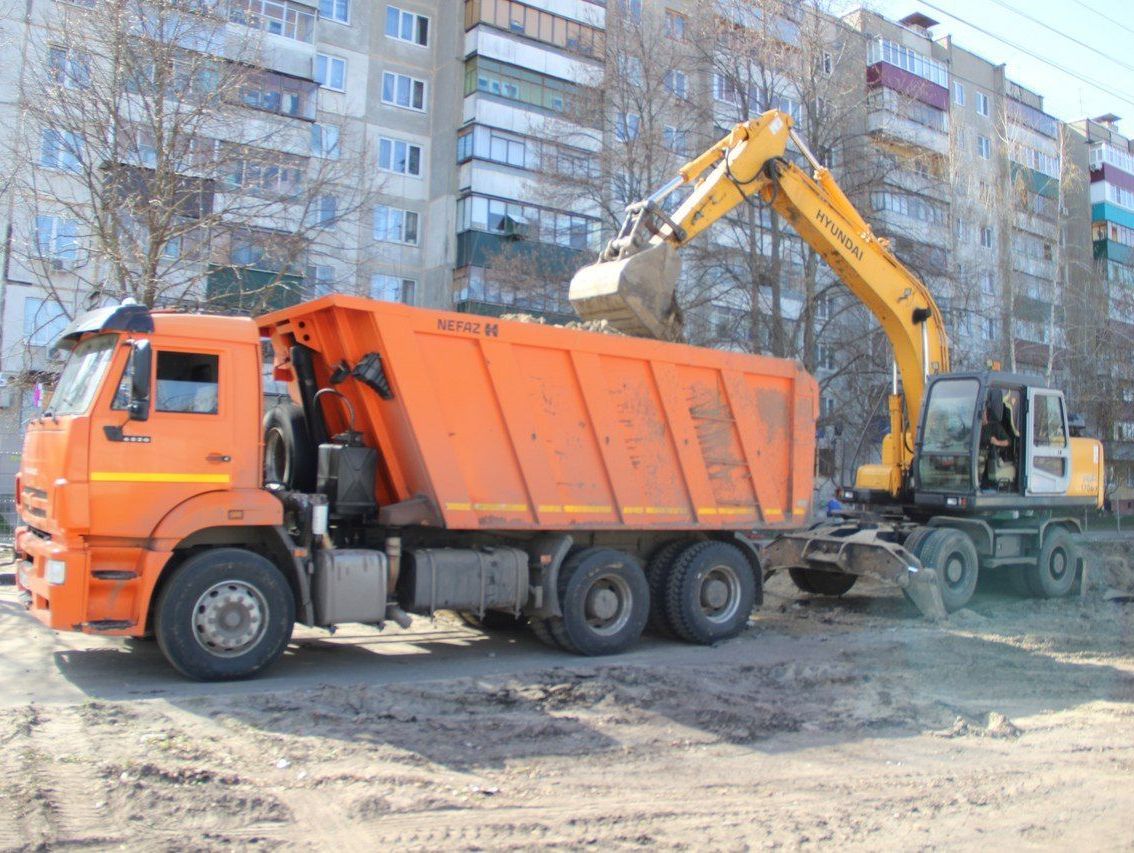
141	369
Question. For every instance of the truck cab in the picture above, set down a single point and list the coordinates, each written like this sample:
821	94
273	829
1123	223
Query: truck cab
137	447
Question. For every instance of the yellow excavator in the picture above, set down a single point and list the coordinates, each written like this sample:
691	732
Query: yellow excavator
979	470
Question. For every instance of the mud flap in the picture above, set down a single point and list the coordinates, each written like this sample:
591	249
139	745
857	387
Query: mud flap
923	590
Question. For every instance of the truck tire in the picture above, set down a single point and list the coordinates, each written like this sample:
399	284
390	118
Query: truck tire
289	458
605	600
658	569
710	593
1054	571
818	582
226	613
953	556
543	633
493	620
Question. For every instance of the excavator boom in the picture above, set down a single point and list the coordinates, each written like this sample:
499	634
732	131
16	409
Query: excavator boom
634	282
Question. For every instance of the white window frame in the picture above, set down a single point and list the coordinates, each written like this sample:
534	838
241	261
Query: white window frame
50	248
334	17
385	283
415	18
672	78
393	101
393	143
958	93
982	104
328	61
986	237
326	141
984	147
65	152
40	329
402	226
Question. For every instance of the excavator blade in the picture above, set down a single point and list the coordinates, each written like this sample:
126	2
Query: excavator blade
925	592
635	295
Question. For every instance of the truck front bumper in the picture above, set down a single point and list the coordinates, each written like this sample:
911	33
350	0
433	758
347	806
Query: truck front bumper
53	578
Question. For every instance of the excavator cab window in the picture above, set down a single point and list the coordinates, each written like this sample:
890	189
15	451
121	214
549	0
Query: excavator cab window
999	447
945	460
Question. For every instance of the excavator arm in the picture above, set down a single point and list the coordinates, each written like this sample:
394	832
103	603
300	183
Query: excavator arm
633	284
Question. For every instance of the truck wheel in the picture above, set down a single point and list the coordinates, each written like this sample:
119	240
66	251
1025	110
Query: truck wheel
605	600
543	633
492	620
1053	574
953	556
658	569
289	457
710	593
226	613
818	582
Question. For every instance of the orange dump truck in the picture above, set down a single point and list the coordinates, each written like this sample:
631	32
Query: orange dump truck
585	483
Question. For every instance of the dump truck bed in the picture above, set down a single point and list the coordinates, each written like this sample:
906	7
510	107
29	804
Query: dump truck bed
512	425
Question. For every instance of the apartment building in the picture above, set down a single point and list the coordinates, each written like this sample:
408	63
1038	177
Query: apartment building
1107	318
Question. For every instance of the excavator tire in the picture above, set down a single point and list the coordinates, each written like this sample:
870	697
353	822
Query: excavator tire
953	556
1053	574
289	458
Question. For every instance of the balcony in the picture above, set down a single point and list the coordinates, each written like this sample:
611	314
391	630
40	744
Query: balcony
907	132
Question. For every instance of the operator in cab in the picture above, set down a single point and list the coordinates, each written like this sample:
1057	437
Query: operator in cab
994	440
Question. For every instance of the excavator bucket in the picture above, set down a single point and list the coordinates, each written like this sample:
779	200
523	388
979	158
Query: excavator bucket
636	294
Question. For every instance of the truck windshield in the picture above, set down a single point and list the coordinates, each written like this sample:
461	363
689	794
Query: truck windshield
945	461
82	375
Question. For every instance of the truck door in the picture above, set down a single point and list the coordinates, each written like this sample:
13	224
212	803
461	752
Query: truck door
1048	449
140	470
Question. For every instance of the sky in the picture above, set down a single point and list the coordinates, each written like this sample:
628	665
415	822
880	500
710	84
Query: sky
1090	39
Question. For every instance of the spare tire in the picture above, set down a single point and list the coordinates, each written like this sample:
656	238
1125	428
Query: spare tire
289	457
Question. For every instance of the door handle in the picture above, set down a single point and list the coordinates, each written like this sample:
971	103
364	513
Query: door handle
218	457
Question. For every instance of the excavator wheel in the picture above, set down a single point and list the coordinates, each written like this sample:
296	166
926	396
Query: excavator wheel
953	557
1054	572
819	582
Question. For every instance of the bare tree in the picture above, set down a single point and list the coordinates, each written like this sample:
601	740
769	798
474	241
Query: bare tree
161	159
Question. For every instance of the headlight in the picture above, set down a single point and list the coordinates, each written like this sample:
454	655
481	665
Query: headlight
55	571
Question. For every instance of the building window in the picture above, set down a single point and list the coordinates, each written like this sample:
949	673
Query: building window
396	155
828	63
322	279
984	147
61	149
278	17
824	357
986	236
675	140
276	93
675	25
330	72
44	321
325	211
335	10
69	67
725	89
530	22
517	84
325	141
626	127
392	288
676	83
402	91
394	225
892	53
57	239
478	213
982	103
407	26
633	8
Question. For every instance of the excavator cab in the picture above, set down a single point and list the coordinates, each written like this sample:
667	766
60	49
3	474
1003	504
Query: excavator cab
992	440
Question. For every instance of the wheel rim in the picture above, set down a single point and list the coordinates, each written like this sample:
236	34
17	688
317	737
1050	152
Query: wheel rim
275	456
230	618
955	570
1057	565
720	594
608	604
